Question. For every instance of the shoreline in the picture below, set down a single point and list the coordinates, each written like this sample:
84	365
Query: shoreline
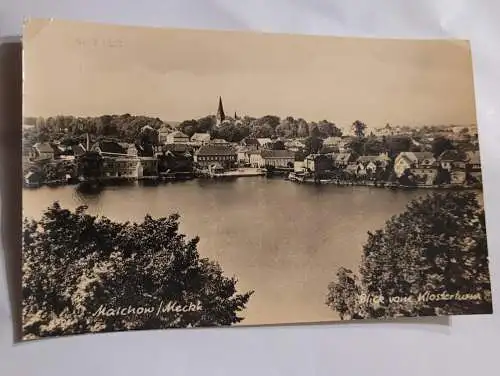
155	180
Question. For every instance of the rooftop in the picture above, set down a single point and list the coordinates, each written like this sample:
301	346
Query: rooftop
216	150
277	154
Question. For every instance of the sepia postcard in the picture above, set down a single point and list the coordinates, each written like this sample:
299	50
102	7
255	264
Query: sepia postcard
194	178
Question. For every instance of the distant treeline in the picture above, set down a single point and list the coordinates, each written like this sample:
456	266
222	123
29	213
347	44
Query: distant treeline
126	128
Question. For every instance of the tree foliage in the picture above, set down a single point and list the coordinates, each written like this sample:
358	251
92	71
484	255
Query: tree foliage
359	128
329	129
437	245
124	127
74	263
440	145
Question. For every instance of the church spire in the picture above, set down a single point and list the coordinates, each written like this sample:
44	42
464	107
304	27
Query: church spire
220	112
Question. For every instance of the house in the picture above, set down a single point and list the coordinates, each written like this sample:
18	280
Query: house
422	166
424	175
275	158
123	167
351	169
33	179
318	163
78	150
383	160
250	143
264	142
294	145
298	166
207	155
473	166
42	151
332	141
109	147
254	158
341	160
177	137
200	138
366	164
218	141
148	167
175	158
344	143
245	153
473	161
117	163
242	156
452	159
406	160
163	133
455	163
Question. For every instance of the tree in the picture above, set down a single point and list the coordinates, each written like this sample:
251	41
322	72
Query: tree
328	129
313	142
443	176
188	127
373	146
357	146
205	124
90	166
302	128
359	128
440	145
75	264
262	131
437	246
147	139
397	144
287	128
271	120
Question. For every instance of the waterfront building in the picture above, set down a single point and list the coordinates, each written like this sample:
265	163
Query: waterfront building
318	163
225	155
117	163
175	158
407	160
42	151
452	159
341	160
148	167
367	164
274	158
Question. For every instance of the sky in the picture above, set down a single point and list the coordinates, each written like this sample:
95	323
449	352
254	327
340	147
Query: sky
88	69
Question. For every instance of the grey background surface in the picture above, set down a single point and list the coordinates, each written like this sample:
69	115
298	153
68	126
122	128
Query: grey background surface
450	346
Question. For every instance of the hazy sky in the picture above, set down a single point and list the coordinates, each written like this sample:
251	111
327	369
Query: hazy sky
87	69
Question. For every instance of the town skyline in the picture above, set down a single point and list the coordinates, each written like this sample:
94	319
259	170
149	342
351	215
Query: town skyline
175	75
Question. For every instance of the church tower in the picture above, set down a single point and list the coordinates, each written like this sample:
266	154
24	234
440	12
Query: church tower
220	113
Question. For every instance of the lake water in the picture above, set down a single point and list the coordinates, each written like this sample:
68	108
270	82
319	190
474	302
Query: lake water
281	239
